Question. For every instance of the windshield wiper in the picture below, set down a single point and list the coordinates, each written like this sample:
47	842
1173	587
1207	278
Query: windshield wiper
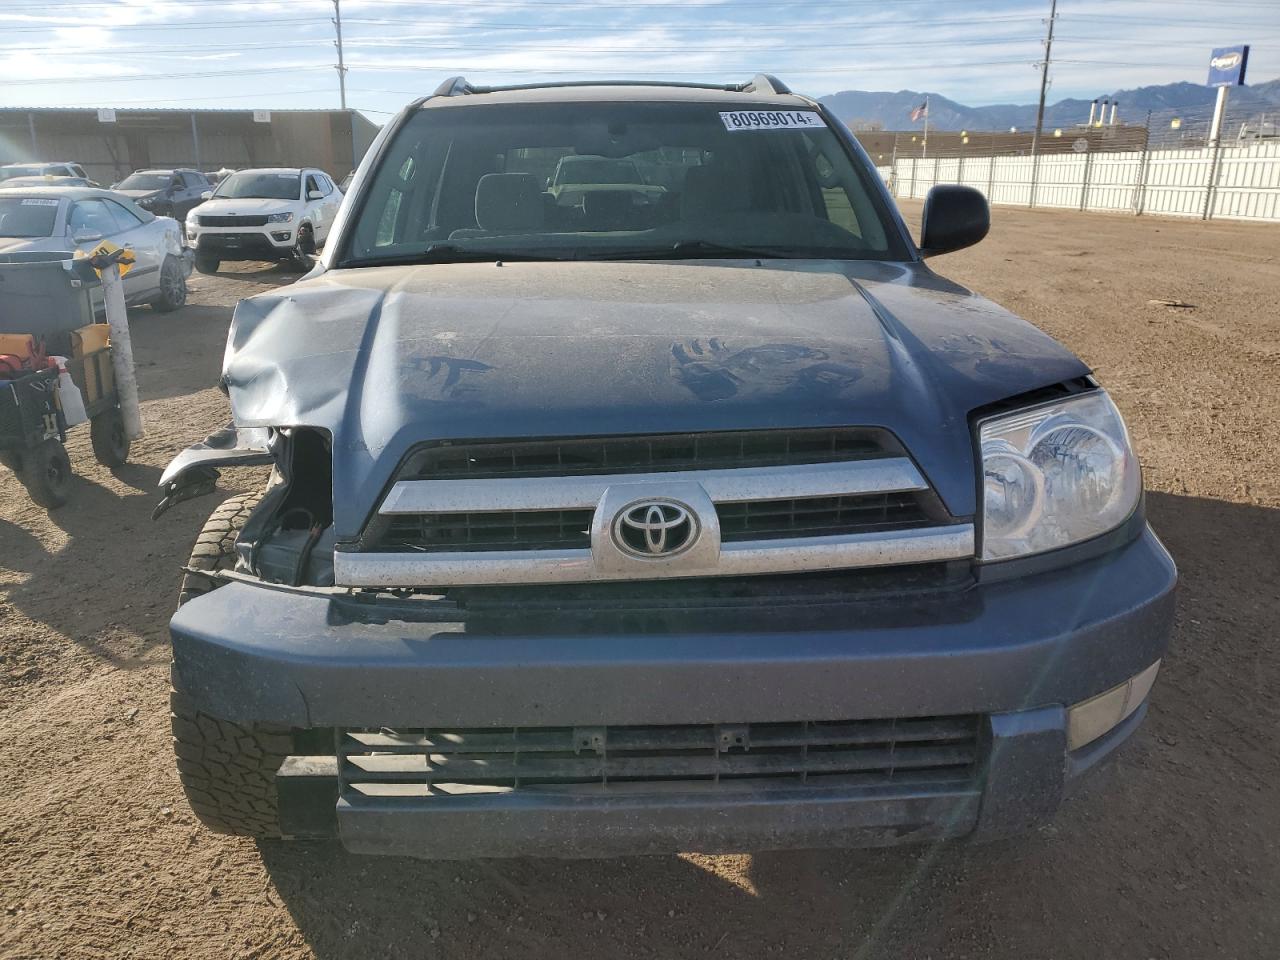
446	253
689	249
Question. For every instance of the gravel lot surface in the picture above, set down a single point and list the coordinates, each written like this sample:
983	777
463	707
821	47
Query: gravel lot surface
1172	853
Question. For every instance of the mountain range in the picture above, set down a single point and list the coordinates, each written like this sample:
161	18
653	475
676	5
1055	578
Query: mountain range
892	109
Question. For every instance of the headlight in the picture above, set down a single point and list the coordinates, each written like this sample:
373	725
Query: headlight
280	218
1055	475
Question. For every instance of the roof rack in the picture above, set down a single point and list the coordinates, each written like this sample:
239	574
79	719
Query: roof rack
760	83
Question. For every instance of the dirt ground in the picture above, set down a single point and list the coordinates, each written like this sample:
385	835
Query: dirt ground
1172	853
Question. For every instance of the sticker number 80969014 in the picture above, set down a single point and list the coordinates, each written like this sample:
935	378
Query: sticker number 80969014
771	120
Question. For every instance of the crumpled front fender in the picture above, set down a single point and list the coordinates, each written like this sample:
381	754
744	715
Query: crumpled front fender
193	472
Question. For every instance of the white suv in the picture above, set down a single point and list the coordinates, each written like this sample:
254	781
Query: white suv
281	214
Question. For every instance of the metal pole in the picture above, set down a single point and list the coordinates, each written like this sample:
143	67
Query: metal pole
195	140
1140	188
1044	86
924	146
342	66
31	125
1219	111
122	351
893	167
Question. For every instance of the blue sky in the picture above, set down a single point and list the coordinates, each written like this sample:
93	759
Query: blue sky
279	53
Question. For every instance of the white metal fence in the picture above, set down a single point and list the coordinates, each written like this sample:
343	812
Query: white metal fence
1237	182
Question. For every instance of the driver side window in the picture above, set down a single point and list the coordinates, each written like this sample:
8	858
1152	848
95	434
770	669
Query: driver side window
91	216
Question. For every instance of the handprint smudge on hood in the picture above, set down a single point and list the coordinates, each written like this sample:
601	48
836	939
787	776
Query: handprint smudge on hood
716	371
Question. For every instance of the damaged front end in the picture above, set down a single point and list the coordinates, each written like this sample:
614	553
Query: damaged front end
288	539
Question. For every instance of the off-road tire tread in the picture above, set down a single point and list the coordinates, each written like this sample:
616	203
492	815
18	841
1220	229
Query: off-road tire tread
228	770
215	547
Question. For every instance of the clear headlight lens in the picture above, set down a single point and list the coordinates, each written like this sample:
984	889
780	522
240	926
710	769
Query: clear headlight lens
1055	475
280	218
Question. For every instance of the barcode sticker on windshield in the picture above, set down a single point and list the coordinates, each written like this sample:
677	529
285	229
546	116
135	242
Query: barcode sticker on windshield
771	120
39	203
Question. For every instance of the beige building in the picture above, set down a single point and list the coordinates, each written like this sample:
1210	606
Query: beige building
113	143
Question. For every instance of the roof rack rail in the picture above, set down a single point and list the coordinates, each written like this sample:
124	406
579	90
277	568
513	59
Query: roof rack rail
760	83
764	83
454	87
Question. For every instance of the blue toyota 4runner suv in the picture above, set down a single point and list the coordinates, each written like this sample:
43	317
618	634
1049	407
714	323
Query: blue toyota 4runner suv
684	510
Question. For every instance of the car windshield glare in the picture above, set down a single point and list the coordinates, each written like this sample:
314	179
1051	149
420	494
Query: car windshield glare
27	217
145	181
260	186
620	180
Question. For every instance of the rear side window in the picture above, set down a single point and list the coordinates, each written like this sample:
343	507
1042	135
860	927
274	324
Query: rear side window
125	218
193	180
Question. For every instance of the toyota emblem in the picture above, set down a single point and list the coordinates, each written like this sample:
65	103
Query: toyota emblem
655	529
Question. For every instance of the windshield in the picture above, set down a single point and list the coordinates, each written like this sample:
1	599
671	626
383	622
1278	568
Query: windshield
145	181
262	186
600	180
27	217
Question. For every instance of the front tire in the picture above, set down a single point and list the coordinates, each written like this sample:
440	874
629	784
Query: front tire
305	249
46	473
207	264
227	769
173	287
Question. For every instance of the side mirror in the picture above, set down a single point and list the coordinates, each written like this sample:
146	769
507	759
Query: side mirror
86	236
207	195
315	194
954	217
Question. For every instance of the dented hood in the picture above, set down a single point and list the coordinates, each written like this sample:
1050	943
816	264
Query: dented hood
385	358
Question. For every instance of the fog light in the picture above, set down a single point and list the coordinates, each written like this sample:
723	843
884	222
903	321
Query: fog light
282	235
1090	719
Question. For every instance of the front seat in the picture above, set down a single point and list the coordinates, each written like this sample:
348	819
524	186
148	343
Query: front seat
506	203
710	194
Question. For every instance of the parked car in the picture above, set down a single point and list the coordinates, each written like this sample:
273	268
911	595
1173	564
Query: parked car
741	529
79	219
576	176
275	214
23	183
43	169
166	193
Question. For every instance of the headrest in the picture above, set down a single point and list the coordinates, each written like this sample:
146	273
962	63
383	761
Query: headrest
709	193
508	202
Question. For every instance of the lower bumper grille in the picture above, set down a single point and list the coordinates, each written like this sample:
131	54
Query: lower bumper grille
428	762
231	221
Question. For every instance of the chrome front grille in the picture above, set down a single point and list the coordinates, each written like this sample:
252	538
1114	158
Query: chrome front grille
571	529
560	511
415	763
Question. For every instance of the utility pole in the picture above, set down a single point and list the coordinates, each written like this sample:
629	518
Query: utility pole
924	146
342	67
1044	76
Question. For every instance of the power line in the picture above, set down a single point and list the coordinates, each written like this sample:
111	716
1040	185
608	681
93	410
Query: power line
164	76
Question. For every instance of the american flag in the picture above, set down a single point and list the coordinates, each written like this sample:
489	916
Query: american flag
920	112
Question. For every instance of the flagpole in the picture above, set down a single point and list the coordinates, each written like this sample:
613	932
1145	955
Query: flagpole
924	147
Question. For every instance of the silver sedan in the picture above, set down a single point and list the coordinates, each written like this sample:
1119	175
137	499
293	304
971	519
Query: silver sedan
71	219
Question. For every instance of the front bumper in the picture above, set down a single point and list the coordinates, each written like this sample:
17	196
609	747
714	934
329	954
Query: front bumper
1015	653
245	243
